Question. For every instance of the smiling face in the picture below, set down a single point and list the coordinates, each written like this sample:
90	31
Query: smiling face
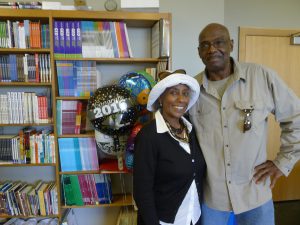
174	102
215	47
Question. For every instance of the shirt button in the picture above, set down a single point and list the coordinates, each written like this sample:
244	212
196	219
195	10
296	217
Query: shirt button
226	146
229	182
224	108
225	126
193	160
228	164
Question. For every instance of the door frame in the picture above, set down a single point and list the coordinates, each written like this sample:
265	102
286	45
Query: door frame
250	31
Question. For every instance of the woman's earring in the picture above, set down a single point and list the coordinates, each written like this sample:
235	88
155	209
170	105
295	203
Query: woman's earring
160	105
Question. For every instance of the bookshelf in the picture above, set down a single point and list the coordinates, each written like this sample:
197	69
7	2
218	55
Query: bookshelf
139	27
22	172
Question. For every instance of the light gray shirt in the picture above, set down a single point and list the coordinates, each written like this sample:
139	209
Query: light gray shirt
231	155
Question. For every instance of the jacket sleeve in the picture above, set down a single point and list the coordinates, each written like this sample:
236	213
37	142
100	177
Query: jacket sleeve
145	157
287	113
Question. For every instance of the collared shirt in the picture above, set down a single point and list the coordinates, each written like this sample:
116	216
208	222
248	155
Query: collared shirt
189	209
231	154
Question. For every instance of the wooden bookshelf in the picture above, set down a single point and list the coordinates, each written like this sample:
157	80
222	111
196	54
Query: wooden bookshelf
26	124
24	50
118	200
115	60
40	88
24	84
26	165
133	20
30	216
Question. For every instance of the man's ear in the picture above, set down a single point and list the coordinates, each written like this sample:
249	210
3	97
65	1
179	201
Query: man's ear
231	45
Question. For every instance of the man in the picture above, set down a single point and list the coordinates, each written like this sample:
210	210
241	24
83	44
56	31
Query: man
230	119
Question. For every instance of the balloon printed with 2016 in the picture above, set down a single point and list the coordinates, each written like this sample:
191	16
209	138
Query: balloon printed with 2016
114	110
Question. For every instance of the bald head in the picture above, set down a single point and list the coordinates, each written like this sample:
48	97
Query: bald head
214	49
214	28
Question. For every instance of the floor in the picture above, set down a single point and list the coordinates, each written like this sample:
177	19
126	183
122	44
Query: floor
287	213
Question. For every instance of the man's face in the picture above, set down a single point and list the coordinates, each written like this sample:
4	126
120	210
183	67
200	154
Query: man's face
214	48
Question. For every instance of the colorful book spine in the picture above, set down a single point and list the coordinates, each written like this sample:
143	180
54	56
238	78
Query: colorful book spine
124	40
56	38
114	39
78	39
119	40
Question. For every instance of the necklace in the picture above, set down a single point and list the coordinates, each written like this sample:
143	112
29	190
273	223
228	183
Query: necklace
176	132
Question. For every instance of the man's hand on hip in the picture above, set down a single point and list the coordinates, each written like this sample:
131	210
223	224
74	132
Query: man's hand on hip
265	170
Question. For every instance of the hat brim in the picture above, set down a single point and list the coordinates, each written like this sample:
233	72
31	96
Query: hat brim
170	81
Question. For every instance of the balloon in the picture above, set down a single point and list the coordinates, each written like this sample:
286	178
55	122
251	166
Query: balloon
139	87
148	77
129	155
112	110
105	145
129	160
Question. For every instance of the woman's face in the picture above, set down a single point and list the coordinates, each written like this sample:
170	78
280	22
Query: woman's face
175	101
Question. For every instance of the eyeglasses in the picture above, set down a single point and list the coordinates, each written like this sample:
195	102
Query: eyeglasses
247	120
166	73
219	43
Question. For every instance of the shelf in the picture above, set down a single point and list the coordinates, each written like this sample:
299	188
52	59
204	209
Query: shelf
21	13
31	216
94	172
118	200
72	98
24	50
25	124
26	165
29	84
90	134
115	60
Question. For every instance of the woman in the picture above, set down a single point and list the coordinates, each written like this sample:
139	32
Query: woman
168	162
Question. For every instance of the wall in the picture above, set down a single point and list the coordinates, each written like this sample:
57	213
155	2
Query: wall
257	13
188	18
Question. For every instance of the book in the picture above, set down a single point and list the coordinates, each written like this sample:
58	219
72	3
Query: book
69	153
160	39
71	190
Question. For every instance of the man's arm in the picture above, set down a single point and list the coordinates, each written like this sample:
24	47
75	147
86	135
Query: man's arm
287	113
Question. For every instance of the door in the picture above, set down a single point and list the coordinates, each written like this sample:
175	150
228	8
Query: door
272	48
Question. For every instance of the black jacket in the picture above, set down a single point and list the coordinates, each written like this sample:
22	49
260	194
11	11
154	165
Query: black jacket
163	172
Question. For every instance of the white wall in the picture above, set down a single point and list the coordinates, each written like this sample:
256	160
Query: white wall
188	19
257	13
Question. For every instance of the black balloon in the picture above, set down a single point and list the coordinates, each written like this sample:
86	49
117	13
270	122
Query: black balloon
112	110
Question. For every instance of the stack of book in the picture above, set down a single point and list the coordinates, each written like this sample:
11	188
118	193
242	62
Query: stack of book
91	39
77	154
71	117
25	68
87	189
24	34
22	199
77	78
23	107
29	146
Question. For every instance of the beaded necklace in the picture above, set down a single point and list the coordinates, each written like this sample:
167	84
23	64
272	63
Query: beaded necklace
177	131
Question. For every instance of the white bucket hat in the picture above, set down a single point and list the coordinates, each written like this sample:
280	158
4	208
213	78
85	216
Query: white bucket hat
170	81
